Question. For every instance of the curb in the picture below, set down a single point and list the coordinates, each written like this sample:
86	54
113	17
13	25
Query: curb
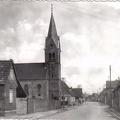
62	110
41	116
46	115
113	113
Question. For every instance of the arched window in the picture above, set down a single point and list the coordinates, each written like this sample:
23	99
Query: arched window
49	56
26	89
53	56
52	71
39	89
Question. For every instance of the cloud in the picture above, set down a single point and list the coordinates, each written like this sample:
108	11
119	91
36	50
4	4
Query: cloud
24	42
89	38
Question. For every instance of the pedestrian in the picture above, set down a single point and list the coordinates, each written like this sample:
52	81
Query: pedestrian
79	102
83	101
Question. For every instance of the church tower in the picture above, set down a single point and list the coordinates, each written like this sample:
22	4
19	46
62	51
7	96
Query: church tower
52	59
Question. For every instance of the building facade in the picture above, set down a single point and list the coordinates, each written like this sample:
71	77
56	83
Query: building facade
110	86
68	97
10	88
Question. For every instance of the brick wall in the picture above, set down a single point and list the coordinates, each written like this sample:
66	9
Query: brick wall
8	105
116	99
40	105
53	104
21	106
32	85
10	85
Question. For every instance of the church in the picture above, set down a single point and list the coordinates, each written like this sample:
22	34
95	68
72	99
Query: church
32	87
41	81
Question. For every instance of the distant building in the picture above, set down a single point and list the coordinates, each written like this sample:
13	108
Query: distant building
110	86
116	97
67	94
78	93
102	96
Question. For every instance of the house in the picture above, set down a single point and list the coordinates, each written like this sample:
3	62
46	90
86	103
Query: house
41	81
94	97
10	88
102	96
68	97
78	94
110	86
116	97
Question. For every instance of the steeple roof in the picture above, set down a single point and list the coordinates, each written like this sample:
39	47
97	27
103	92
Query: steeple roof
52	32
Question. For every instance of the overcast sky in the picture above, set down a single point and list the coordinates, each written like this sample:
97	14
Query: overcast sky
89	35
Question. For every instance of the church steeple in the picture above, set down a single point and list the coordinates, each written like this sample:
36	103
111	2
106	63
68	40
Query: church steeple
52	32
52	59
52	43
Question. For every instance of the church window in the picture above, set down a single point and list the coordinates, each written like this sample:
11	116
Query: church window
51	45
11	95
53	56
50	56
52	71
39	89
26	89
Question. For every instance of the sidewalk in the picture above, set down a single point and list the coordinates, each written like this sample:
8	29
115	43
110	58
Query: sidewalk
114	112
39	115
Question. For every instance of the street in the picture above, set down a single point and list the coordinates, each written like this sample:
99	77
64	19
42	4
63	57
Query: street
89	111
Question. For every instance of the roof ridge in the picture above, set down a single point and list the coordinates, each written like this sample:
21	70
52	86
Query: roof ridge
31	63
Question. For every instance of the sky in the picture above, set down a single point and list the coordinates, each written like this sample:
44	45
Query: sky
89	35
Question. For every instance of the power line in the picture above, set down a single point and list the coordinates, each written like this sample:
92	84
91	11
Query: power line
89	14
94	12
115	72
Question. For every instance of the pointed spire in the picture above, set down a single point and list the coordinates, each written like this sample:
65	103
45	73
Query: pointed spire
52	32
51	9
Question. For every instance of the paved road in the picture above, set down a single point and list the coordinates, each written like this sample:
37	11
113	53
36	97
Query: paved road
89	111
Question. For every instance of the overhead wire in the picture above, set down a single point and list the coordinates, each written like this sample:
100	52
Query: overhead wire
94	12
89	12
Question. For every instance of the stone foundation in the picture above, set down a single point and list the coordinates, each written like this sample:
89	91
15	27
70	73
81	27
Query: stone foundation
21	106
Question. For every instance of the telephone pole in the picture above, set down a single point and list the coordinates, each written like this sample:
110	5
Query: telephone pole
110	87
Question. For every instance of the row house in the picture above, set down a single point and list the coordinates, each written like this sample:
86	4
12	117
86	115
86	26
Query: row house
78	94
111	94
10	90
102	96
68	96
116	98
110	86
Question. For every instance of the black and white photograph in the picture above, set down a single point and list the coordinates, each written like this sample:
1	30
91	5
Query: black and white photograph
60	59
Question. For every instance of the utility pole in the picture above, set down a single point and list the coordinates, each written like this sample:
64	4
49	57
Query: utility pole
110	87
63	97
